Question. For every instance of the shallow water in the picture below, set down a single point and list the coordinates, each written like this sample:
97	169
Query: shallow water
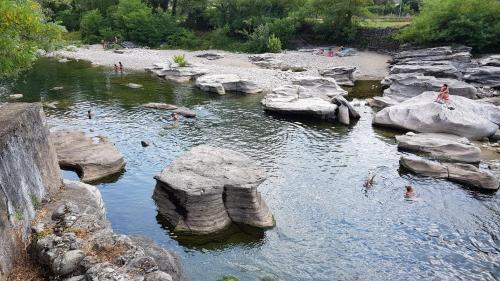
327	226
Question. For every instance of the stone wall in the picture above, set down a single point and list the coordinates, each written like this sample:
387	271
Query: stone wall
29	172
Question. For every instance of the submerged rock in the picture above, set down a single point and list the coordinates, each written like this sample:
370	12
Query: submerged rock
469	118
409	86
441	146
222	83
157	105
184	111
343	75
208	188
463	173
94	159
134	85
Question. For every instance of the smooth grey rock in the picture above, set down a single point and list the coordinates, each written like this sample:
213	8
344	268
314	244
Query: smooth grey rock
184	111
341	101
68	262
213	187
441	71
411	86
168	262
158	276
76	278
441	146
321	86
94	159
28	171
157	105
15	96
381	102
298	100
222	83
172	71
493	60
343	75
445	53
343	115
492	100
484	76
470	119
134	85
463	173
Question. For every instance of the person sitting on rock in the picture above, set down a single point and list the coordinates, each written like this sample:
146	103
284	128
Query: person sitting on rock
444	94
410	193
330	53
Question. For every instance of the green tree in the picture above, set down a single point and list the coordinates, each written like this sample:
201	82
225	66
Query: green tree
472	22
23	30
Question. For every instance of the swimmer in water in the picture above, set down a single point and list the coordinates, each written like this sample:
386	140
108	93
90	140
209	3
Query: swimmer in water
410	193
89	114
175	117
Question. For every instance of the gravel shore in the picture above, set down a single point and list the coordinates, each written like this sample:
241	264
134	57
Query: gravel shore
370	65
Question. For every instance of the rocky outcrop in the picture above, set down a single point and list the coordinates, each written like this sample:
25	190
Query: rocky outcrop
470	119
493	60
28	174
173	72
409	86
210	56
93	158
222	83
343	75
462	173
184	111
267	61
74	239
456	55
440	146
381	102
208	188
484	76
445	70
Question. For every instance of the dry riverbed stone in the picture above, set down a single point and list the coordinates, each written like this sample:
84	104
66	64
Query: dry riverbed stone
208	188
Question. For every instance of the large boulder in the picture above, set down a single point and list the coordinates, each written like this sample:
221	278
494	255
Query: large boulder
173	72
441	146
462	173
93	158
484	76
410	86
442	70
381	102
321	86
222	83
343	75
469	118
208	188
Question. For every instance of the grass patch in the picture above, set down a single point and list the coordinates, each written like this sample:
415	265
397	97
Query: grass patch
385	22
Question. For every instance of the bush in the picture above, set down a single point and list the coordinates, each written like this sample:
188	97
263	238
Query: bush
259	39
91	23
182	38
274	44
180	60
472	22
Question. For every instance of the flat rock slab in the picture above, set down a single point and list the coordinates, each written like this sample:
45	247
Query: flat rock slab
442	71
208	188
343	75
413	85
210	56
463	173
157	105
173	72
93	159
471	119
222	83
484	76
322	87
441	146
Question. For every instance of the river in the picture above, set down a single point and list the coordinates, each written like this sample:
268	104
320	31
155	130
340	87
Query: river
328	227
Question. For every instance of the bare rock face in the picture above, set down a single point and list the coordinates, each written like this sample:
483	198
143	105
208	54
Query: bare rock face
208	188
28	173
94	159
463	173
468	118
76	241
222	83
445	53
437	70
484	76
441	146
493	60
381	102
410	86
343	75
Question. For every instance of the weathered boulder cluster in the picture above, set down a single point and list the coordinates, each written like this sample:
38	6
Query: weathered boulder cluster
444	129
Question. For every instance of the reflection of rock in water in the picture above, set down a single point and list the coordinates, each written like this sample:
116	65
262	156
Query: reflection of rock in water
169	216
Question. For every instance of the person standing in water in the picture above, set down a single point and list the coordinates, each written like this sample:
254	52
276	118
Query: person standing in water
409	193
116	68
89	114
121	66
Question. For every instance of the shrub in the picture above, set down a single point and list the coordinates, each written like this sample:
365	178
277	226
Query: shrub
182	38
472	22
180	60
91	23
259	39
274	44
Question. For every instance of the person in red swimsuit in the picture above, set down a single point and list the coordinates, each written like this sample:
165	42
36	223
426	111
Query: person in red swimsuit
444	94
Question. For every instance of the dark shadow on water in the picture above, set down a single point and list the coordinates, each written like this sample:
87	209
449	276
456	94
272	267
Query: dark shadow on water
363	89
308	120
74	173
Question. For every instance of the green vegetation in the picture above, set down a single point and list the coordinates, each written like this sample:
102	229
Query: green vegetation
274	44
180	60
228	278
23	30
18	215
385	22
35	202
475	23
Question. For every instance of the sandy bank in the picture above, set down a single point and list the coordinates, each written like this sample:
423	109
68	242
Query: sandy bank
370	65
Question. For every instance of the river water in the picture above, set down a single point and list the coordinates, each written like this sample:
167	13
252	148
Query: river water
327	226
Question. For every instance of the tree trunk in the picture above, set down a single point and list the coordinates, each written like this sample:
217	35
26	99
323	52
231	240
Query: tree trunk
174	7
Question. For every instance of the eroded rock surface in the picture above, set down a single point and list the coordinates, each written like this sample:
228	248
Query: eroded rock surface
463	173
92	158
74	239
441	146
222	83
469	118
173	72
343	75
208	188
484	76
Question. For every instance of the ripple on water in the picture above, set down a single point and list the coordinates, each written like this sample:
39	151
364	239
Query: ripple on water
328	226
